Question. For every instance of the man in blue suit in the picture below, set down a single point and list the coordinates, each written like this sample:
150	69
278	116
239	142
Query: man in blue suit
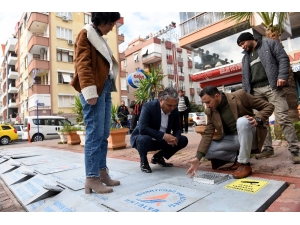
159	129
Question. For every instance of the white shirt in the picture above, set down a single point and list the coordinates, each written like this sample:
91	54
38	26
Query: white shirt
164	121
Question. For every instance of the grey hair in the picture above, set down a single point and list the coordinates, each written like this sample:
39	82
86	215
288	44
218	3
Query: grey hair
168	92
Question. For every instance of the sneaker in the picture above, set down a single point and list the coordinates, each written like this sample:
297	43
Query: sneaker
295	158
265	154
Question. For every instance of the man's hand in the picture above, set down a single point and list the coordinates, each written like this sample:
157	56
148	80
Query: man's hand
252	120
170	139
92	101
195	162
281	82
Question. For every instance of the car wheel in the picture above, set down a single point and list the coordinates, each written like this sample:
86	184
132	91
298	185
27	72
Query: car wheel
5	140
37	138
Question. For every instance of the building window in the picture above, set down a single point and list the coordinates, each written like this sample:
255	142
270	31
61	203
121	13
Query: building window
67	14
66	100
123	84
136	69
136	57
181	87
64	78
21	88
64	33
87	18
125	63
170	83
64	55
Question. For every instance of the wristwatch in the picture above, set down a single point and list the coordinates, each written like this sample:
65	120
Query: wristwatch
258	120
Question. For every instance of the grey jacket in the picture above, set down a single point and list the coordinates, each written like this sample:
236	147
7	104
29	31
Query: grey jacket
274	60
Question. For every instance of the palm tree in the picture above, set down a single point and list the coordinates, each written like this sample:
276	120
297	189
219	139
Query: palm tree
150	87
272	31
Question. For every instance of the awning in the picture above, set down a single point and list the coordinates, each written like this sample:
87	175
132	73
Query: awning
66	77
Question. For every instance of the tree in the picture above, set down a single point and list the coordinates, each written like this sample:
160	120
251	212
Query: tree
150	87
272	31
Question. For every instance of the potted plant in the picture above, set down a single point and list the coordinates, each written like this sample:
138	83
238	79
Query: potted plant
71	134
77	109
116	139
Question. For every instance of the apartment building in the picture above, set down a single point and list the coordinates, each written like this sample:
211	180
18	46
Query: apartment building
42	65
176	63
218	57
9	74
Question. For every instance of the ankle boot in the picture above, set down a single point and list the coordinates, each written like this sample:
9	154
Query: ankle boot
94	183
105	178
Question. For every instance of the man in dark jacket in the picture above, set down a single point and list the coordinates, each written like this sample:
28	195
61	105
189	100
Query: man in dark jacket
184	109
265	72
136	111
123	113
159	129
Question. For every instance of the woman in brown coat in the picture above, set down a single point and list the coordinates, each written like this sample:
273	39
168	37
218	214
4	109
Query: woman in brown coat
95	73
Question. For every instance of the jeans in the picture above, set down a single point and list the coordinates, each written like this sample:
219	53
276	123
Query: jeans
97	121
278	99
228	147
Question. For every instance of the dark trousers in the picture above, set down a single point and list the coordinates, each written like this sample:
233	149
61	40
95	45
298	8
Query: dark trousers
184	115
134	120
124	122
145	143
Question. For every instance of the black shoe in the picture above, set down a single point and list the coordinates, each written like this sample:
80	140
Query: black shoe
160	161
216	163
145	168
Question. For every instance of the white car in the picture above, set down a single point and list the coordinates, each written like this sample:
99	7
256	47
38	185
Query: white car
199	118
19	128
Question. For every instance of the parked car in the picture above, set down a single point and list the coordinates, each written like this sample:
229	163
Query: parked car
43	127
19	128
199	118
7	134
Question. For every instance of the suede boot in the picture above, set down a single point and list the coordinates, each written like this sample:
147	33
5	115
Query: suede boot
105	178
94	183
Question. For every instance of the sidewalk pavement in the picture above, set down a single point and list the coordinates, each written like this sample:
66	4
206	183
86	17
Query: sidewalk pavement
279	167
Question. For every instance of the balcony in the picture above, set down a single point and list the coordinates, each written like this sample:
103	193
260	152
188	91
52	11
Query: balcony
190	77
120	22
179	49
170	60
180	61
151	58
12	103
10	45
181	77
170	76
190	64
12	59
39	89
12	89
12	74
122	56
37	21
38	64
36	42
121	38
168	45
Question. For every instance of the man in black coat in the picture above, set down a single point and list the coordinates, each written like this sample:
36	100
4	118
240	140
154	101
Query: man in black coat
159	129
123	113
184	109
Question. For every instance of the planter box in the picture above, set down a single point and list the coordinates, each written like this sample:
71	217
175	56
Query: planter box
82	137
200	130
116	139
63	138
73	138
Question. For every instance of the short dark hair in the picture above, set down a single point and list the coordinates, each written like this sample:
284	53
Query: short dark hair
209	90
102	18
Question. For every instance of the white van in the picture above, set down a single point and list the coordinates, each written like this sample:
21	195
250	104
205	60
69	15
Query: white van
43	127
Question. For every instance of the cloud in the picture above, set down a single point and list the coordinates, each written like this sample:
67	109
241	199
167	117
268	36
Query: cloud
8	21
141	24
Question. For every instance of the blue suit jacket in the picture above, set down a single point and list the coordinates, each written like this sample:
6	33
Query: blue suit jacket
150	120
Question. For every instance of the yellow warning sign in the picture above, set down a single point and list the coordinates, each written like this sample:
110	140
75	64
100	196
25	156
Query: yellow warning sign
247	185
